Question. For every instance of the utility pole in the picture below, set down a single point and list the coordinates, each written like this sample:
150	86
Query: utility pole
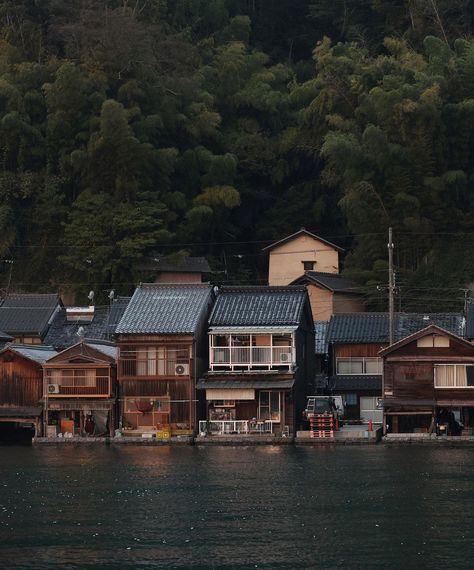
391	287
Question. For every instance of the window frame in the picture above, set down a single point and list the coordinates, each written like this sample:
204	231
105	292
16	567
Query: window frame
363	360
455	386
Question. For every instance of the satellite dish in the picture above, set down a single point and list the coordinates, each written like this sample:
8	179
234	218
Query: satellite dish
111	294
91	296
81	332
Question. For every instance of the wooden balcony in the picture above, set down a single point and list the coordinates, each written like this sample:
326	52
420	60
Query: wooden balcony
67	386
251	357
153	368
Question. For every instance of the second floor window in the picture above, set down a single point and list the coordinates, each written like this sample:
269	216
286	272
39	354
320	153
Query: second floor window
454	376
308	265
361	365
155	360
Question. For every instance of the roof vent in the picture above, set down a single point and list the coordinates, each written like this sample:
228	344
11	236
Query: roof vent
80	314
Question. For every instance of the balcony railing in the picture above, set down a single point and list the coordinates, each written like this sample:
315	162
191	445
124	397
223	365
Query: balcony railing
251	356
228	427
152	367
93	386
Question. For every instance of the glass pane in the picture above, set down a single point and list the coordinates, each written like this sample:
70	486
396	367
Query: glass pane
470	375
373	366
461	376
357	366
343	366
220	340
264	398
351	399
275	402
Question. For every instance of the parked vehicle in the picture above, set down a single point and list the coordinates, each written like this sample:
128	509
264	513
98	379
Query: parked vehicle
322	404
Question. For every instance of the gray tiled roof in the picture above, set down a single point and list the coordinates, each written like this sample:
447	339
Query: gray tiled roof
116	312
5	336
256	384
63	333
107	349
176	265
320	336
409	323
165	309
358	328
373	327
258	306
331	281
36	352
27	313
352	382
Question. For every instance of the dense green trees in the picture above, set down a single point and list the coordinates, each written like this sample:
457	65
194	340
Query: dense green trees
130	129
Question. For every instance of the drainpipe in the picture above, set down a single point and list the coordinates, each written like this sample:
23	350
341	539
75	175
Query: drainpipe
45	408
193	388
384	424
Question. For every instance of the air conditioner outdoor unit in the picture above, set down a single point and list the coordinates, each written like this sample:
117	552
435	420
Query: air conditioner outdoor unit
285	357
53	388
181	369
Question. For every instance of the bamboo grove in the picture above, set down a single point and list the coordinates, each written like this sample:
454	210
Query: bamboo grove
133	129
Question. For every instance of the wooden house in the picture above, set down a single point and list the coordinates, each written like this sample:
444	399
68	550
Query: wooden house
428	383
79	392
261	361
162	350
27	317
21	384
331	293
302	251
355	366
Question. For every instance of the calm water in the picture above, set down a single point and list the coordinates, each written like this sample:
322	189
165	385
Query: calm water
223	508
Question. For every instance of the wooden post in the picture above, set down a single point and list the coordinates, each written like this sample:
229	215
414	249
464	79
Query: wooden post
282	418
391	286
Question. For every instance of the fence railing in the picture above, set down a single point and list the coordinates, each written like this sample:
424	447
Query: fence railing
227	427
70	386
249	356
153	367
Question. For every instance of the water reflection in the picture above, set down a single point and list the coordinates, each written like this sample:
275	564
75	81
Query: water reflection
226	508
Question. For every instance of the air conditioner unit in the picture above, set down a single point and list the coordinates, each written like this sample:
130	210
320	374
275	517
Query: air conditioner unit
181	369
53	388
285	356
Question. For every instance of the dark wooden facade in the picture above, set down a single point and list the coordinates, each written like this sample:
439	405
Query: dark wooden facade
21	389
356	389
156	379
414	400
267	394
79	392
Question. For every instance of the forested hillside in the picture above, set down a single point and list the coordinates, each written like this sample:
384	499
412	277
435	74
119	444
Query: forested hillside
140	128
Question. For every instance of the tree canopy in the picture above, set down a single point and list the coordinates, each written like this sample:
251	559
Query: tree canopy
212	127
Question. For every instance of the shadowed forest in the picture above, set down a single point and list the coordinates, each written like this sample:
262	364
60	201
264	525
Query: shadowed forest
133	129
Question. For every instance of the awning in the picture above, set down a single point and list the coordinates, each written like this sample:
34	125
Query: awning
396	403
60	404
21	412
257	384
457	403
231	394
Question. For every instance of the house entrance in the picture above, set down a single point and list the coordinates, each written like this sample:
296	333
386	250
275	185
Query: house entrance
16	433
